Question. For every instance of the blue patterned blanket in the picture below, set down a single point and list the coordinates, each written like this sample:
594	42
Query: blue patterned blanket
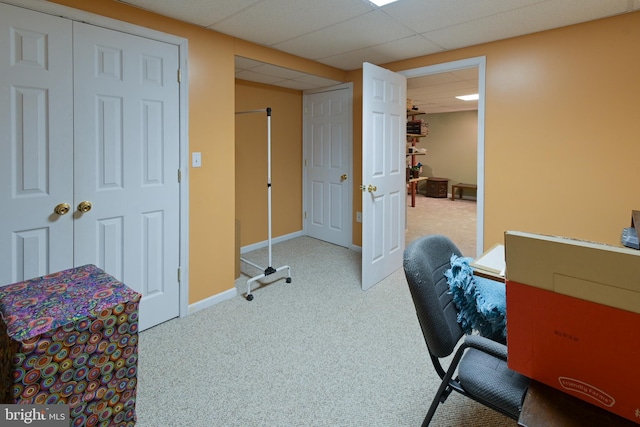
481	302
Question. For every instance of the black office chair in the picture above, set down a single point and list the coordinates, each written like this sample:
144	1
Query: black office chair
482	372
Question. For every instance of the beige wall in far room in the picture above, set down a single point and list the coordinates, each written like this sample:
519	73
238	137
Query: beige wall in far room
452	147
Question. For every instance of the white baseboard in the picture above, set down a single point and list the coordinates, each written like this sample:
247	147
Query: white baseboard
213	300
265	243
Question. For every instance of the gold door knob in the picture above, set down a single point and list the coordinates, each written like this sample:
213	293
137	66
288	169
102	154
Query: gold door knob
372	188
84	206
343	177
62	208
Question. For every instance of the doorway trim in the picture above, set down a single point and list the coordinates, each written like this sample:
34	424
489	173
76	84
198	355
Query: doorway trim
481	63
183	172
305	155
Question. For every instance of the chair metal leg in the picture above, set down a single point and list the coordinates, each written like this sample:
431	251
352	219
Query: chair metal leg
434	404
443	386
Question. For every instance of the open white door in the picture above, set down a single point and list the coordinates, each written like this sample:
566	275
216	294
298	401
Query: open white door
384	96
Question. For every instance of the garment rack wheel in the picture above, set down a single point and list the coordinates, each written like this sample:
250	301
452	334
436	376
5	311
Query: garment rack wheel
249	296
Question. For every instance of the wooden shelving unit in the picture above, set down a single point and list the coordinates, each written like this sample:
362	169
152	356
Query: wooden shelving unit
414	139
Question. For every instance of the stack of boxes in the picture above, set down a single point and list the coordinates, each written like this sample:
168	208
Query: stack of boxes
573	311
417	127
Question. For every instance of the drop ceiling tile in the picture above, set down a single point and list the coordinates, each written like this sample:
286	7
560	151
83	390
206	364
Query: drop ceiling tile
246	63
347	36
346	33
199	12
318	81
466	73
439	79
455	103
297	85
527	20
437	108
257	77
274	70
440	98
453	89
408	47
274	21
428	15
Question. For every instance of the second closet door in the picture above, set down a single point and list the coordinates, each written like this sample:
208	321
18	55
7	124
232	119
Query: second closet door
126	161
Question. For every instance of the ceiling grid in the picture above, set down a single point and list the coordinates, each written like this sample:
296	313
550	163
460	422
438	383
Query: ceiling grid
346	33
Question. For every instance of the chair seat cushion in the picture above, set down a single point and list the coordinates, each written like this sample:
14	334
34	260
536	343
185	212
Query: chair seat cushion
481	302
489	379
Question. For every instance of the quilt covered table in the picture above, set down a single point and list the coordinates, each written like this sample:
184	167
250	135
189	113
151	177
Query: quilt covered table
71	337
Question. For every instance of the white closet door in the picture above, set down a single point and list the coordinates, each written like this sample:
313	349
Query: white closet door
126	161
327	120
36	143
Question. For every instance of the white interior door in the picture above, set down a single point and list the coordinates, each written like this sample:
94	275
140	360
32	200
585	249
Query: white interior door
36	143
384	96
328	165
126	161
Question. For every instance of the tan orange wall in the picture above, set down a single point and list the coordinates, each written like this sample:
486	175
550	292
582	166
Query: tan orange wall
356	78
251	161
562	142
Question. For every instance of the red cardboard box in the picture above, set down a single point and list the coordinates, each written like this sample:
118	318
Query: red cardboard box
573	318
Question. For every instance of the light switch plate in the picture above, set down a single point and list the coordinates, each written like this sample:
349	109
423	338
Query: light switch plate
196	160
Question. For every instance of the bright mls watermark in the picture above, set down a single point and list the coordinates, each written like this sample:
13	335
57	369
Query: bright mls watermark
34	415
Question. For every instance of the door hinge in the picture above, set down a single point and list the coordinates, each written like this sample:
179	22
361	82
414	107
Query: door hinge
179	274
179	175
305	214
305	163
179	75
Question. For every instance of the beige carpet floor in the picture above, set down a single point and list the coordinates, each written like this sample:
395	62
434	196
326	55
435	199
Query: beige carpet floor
316	352
455	219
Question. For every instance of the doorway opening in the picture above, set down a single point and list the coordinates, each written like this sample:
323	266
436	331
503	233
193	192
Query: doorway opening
447	80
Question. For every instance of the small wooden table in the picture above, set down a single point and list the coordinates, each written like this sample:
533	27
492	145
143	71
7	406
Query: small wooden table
413	188
461	187
546	406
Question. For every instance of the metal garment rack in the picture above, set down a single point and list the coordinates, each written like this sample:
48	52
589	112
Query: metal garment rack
269	270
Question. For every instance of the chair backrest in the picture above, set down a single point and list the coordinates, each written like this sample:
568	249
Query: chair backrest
425	261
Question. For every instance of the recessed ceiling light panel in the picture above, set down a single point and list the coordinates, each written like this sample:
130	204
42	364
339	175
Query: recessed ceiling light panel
473	97
381	3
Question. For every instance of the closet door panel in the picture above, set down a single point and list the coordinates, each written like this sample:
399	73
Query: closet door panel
126	163
36	142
